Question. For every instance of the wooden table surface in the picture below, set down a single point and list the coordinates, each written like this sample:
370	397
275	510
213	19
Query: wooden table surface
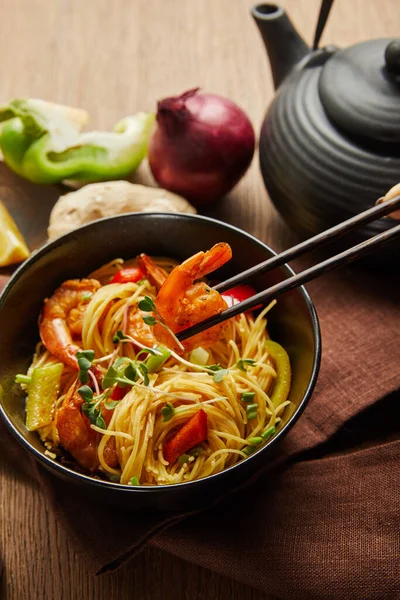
116	58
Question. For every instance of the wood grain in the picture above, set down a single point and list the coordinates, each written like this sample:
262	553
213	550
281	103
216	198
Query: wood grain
115	58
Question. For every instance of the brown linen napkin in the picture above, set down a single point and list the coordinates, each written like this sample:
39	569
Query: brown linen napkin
324	522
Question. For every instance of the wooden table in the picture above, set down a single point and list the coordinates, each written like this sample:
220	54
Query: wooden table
116	58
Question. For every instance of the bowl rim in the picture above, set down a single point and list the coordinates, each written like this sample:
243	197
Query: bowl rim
84	479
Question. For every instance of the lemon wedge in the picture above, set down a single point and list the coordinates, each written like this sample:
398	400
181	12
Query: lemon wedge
13	248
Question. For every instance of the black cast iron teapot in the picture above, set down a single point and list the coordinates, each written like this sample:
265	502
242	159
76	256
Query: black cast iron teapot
330	141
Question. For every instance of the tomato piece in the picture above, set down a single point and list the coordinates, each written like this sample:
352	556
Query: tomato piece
192	433
238	294
128	275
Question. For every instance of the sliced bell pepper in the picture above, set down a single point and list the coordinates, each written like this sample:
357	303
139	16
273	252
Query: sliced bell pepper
238	294
191	434
128	275
283	370
43	392
42	142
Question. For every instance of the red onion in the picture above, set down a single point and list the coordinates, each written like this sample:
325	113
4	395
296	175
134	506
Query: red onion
201	146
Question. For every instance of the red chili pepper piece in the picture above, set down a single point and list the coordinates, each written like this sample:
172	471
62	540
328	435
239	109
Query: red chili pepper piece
239	293
128	275
192	433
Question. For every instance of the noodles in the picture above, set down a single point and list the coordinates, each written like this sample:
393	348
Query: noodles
134	418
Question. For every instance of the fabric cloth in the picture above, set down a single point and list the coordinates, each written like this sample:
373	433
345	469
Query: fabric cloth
322	520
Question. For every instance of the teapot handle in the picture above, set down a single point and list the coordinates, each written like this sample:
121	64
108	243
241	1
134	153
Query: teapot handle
322	19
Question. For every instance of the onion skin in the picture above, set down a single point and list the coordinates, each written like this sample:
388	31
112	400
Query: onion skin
201	145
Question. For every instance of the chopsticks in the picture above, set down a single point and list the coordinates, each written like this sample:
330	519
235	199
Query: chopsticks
339	260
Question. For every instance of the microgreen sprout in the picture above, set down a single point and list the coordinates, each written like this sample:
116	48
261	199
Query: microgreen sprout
92	406
150	321
119	336
152	351
219	375
243	362
85	359
147	305
125	372
219	372
114	376
167	412
111	404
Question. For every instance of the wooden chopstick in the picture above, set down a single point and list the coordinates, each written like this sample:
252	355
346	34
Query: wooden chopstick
311	244
334	262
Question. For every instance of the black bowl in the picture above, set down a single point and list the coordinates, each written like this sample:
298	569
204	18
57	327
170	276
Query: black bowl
293	323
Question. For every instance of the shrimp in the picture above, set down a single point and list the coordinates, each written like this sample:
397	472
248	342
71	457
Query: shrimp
76	435
181	302
62	318
155	274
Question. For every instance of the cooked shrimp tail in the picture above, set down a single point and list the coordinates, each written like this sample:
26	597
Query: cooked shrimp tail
154	273
212	260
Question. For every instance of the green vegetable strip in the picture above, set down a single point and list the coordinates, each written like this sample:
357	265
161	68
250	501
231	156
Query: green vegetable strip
268	432
154	362
251	411
255	441
283	379
43	393
26	379
248	396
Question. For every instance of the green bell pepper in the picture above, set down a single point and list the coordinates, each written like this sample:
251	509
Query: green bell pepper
42	142
283	379
43	392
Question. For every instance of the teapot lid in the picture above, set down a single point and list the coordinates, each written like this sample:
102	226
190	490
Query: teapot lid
360	89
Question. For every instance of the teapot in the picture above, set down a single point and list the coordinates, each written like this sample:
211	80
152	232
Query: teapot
330	141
